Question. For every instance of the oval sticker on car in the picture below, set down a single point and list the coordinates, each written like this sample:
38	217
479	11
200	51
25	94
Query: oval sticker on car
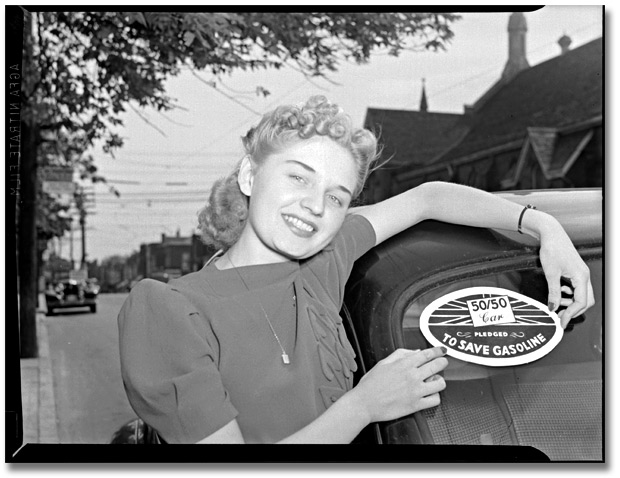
491	326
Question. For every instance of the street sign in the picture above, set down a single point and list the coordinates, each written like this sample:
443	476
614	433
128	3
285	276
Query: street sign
59	187
58	180
57	174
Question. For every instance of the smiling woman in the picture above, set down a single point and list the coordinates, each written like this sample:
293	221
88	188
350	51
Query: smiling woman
317	135
298	200
252	349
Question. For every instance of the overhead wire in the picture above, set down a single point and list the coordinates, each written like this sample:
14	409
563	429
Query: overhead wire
138	201
453	86
270	105
155	200
186	154
230	97
200	151
147	194
165	166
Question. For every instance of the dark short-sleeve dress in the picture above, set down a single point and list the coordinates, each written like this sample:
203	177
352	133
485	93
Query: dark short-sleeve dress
198	352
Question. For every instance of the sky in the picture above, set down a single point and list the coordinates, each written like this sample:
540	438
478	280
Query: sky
168	162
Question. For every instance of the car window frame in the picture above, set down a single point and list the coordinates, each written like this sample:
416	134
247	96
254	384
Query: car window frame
495	266
415	426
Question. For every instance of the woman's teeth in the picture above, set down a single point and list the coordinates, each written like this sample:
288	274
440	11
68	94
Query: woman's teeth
298	223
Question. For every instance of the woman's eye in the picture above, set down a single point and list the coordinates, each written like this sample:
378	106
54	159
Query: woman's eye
335	200
299	179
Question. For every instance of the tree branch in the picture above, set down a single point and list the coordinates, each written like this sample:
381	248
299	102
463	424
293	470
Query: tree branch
146	120
222	93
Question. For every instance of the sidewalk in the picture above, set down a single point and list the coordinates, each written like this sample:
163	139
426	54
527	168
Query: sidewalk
38	401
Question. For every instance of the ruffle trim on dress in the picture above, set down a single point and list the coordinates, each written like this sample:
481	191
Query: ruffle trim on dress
336	355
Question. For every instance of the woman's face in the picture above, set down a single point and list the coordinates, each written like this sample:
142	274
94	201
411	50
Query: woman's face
298	199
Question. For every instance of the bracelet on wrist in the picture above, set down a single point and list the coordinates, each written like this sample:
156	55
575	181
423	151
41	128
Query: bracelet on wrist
519	226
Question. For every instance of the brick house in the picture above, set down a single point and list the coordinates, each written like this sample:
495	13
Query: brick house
174	256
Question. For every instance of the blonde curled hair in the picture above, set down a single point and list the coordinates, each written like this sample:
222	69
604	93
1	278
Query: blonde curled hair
223	218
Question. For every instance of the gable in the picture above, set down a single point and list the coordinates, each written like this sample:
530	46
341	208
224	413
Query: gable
554	151
560	92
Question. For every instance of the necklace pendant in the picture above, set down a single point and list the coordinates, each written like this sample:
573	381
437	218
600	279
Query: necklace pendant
285	359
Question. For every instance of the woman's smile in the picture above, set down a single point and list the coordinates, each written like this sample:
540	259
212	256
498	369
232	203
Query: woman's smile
299	198
300	227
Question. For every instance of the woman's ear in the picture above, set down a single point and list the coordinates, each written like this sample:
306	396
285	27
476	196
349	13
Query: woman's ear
246	176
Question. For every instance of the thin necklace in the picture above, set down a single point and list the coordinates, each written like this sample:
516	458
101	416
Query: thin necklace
285	358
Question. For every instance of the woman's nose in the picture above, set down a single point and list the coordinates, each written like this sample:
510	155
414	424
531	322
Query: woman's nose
314	203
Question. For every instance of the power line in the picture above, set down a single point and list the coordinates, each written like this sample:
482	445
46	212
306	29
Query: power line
154	200
126	225
121	181
124	215
489	70
250	118
176	166
185	154
200	152
199	195
157	193
136	200
232	98
105	206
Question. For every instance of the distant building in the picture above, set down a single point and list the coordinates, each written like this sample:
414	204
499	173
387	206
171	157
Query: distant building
114	273
173	257
536	127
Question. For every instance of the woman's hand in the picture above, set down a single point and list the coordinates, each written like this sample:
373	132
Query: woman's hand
559	258
403	383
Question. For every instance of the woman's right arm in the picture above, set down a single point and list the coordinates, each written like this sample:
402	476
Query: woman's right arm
402	383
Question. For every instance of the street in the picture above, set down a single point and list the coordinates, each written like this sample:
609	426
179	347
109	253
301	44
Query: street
90	400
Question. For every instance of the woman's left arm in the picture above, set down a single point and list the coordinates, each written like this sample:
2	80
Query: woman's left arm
458	204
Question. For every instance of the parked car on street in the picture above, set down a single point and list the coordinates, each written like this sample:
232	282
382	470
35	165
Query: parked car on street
554	403
71	294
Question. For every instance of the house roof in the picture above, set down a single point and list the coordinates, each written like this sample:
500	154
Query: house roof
177	241
413	137
555	152
557	93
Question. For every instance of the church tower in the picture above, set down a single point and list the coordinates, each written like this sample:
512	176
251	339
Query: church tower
423	101
517	61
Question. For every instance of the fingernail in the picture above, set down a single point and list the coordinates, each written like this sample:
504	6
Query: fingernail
551	306
444	350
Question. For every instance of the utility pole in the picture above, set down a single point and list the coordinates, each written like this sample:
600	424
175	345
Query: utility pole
81	201
71	245
83	226
27	228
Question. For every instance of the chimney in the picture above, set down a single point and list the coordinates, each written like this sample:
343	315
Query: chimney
423	102
564	43
517	61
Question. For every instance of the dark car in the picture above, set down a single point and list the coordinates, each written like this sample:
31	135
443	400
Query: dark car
71	294
554	403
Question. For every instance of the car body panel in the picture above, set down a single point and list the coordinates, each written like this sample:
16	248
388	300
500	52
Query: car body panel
72	294
433	257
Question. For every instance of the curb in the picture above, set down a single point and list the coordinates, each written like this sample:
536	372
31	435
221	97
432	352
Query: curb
47	417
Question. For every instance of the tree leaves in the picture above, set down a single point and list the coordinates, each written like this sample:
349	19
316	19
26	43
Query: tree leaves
89	66
188	38
138	17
